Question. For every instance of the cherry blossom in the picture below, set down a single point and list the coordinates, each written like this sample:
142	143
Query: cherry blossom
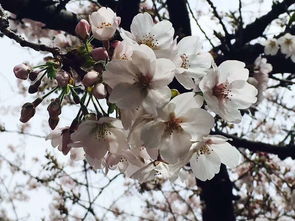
104	23
271	47
97	137
210	153
141	81
158	37
191	62
287	44
61	138
226	90
179	123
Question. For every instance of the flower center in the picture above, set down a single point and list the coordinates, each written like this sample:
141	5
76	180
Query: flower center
288	41
185	61
102	130
144	81
221	91
204	150
149	40
272	44
173	124
104	25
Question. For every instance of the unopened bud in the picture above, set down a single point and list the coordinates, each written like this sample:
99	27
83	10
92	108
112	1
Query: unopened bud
27	112
99	91
53	122
99	54
33	75
62	78
34	87
83	29
54	108
22	71
66	140
90	78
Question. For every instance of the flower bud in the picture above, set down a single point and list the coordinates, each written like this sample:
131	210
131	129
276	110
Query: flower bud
90	78
66	139
62	78
83	29
33	75
21	71
34	87
99	91
27	112
54	108
53	122
99	54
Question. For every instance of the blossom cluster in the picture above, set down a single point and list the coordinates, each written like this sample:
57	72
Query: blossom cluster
155	131
286	43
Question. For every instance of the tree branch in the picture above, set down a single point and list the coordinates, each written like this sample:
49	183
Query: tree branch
179	17
4	24
44	11
255	29
282	152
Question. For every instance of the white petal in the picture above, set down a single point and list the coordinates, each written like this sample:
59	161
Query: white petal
197	122
227	153
141	25
163	33
175	146
205	167
186	101
144	59
185	79
232	70
244	96
156	98
127	96
152	133
119	71
164	73
189	45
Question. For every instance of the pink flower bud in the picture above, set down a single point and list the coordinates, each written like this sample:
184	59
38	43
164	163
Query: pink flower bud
99	54
62	78
34	87
83	29
53	122
90	78
21	71
99	91
66	139
54	108
27	112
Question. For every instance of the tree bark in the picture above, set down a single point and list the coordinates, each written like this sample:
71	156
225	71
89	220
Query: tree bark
216	196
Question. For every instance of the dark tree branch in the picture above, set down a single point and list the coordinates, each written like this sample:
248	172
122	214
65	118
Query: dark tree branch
4	24
255	29
179	17
44	11
282	152
127	9
217	196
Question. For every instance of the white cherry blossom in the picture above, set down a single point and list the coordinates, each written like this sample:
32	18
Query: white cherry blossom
287	44
271	47
158	37
178	123
141	81
226	90
210	153
191	62
104	23
97	137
